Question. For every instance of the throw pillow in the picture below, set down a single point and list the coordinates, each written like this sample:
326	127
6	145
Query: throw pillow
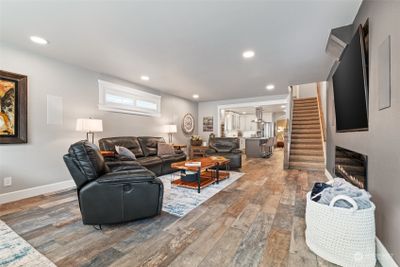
123	151
164	149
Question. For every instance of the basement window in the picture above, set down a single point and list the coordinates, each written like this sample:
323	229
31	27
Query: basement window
146	104
117	98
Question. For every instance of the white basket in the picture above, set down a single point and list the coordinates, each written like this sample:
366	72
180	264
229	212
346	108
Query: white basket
342	236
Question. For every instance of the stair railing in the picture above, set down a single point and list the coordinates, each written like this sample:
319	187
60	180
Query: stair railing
321	121
288	132
321	113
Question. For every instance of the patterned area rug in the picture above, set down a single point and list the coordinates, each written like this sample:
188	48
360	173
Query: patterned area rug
179	201
15	251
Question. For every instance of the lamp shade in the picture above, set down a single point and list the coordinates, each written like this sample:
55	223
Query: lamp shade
89	125
171	128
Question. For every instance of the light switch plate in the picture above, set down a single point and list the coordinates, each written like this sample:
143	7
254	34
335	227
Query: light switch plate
7	181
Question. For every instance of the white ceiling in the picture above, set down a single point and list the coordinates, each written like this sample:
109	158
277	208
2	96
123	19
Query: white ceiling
186	47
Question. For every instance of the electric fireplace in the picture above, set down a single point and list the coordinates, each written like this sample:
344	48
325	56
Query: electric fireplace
351	166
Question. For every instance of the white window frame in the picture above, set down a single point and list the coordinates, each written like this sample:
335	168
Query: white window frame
131	93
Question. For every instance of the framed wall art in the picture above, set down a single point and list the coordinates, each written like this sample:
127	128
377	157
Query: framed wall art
188	124
208	124
13	108
384	75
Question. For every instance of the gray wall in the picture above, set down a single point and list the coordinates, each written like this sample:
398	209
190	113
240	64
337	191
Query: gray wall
382	142
40	161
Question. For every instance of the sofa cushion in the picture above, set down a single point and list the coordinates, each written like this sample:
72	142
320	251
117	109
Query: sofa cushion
130	142
149	161
88	159
149	144
165	149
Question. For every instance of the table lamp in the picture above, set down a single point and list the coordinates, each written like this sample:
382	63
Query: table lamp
90	126
170	129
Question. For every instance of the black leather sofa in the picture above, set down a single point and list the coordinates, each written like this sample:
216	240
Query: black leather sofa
115	192
145	150
227	147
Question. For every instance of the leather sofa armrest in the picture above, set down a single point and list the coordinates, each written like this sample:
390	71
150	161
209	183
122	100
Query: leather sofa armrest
220	150
210	151
117	166
130	176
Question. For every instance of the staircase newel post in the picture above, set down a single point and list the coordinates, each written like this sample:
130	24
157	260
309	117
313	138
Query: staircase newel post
286	149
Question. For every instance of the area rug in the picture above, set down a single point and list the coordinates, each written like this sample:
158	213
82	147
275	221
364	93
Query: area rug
15	251
180	201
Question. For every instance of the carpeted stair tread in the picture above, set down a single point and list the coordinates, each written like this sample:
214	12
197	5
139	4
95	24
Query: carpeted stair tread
306	136
311	126
299	152
317	166
307	141
307	146
306	158
306	131
301	122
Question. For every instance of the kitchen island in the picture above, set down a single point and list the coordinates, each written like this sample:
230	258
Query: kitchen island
256	147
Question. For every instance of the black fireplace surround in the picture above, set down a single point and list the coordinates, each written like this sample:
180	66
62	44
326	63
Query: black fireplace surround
352	166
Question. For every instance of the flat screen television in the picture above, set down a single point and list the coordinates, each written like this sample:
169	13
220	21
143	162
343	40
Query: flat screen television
350	87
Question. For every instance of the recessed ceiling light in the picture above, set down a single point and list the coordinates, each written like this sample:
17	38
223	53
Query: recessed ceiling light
270	87
144	78
248	54
39	40
243	112
195	96
283	106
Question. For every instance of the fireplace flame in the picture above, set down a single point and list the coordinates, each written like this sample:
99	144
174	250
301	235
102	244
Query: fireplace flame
350	177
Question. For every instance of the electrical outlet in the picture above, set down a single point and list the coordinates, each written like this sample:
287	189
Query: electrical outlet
7	181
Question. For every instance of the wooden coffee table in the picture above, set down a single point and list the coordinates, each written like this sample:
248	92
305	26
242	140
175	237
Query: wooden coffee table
207	173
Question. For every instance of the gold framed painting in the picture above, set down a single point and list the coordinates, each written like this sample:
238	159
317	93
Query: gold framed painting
13	108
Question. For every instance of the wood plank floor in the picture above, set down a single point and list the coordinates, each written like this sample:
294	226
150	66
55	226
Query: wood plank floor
256	221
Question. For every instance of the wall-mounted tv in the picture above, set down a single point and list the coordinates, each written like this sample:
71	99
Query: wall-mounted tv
350	87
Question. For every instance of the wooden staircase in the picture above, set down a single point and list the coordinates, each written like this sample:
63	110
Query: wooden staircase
306	151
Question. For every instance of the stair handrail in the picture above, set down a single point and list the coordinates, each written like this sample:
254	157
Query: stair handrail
288	132
321	121
321	113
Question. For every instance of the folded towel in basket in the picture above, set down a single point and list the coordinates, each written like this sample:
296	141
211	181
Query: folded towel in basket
342	187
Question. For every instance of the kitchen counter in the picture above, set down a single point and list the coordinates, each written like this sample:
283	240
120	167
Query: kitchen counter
254	147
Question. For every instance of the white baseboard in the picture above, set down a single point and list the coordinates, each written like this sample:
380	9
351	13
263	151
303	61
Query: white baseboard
383	256
328	175
36	191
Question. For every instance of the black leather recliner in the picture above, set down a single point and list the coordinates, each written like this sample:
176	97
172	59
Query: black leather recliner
145	150
227	147
115	192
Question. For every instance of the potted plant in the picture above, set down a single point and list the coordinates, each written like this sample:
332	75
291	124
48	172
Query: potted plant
196	140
